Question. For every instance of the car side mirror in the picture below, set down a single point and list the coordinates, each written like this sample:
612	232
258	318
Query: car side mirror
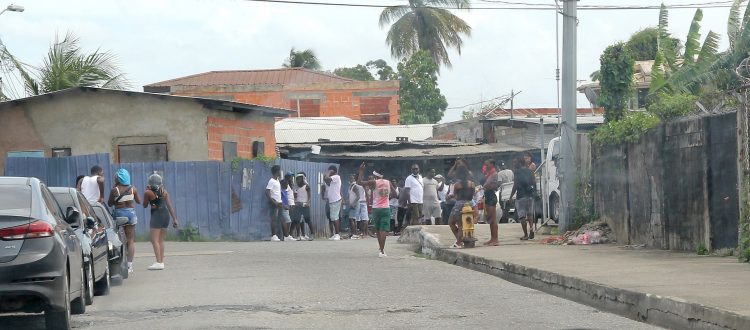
121	221
71	215
90	223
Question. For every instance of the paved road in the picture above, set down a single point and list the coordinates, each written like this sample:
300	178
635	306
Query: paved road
321	285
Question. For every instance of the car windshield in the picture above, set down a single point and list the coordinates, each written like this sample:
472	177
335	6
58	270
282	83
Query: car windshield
15	200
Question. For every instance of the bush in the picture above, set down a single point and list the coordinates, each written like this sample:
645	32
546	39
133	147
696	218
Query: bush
668	107
628	129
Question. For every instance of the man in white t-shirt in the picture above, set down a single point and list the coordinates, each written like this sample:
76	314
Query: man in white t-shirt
333	194
92	186
273	192
414	188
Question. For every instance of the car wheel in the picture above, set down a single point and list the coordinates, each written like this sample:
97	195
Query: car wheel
554	207
89	297
101	287
78	306
59	319
124	261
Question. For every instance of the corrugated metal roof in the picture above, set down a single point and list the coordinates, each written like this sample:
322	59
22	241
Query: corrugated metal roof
215	104
342	129
284	76
415	152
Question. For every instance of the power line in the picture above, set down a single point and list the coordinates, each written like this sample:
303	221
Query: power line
513	6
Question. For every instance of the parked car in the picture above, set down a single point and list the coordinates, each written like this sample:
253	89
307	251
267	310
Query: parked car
117	242
41	259
93	239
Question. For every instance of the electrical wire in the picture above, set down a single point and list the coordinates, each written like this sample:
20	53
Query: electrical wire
517	6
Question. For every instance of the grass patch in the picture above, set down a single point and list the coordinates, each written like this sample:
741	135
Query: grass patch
701	250
421	255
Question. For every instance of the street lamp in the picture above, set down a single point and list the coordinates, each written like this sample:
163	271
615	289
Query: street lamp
12	7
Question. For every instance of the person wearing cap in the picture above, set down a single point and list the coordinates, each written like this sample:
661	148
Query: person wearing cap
381	211
124	197
157	199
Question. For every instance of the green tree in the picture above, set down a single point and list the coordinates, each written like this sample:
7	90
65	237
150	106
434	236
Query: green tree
616	81
423	25
302	59
669	106
674	72
383	70
420	98
359	72
66	66
644	44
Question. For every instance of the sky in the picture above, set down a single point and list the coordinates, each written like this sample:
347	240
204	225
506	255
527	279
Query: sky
156	40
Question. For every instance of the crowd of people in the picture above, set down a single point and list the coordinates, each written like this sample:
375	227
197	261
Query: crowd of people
389	205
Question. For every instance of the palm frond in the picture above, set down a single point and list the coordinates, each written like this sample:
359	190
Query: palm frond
709	50
734	23
692	43
402	36
459	4
658	79
391	14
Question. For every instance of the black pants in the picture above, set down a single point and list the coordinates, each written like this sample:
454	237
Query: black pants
446	209
403	214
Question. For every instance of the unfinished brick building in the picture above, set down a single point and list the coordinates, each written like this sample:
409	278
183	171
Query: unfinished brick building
306	92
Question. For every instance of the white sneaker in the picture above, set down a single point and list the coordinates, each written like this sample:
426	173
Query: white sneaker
382	255
289	238
337	237
130	270
275	238
354	237
305	238
156	266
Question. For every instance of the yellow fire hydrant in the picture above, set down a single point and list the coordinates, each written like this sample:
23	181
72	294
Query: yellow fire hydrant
467	225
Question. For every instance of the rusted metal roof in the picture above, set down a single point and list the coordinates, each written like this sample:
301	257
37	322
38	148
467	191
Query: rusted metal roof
284	76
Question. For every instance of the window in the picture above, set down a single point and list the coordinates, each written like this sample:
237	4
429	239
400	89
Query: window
142	153
60	152
230	150
52	204
259	148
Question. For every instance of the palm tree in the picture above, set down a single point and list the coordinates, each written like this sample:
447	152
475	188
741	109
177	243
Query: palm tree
302	59
66	66
423	25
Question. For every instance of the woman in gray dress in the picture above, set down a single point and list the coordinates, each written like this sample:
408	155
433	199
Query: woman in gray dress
157	198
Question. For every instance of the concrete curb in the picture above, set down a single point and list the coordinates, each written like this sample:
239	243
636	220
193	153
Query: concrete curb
669	312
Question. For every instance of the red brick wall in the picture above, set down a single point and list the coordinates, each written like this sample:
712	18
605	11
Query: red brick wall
337	101
244	132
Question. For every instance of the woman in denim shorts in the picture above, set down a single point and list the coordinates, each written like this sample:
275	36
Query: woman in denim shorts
124	197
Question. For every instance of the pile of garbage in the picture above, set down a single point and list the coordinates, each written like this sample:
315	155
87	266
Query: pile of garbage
590	233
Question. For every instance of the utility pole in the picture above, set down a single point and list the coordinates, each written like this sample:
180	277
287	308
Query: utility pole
568	125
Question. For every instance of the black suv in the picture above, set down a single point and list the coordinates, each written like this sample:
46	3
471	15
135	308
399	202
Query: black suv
41	262
93	239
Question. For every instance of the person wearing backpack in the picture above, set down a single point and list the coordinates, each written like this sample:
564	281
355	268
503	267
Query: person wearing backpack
157	197
523	185
124	197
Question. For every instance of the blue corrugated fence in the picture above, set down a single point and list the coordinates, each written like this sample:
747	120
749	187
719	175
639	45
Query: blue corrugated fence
223	200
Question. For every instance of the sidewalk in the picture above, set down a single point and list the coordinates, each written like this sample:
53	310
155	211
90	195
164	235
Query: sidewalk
669	289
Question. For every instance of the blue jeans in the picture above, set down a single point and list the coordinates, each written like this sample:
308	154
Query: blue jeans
126	213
